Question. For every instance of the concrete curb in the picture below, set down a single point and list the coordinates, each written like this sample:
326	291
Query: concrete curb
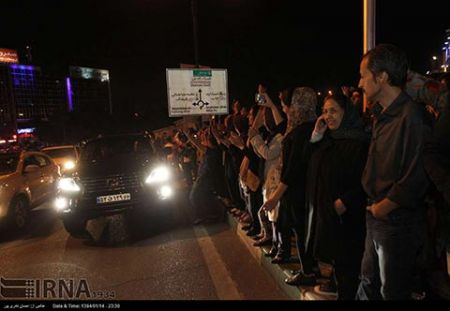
278	272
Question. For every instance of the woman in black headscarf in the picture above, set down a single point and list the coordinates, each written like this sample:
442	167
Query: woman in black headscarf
335	195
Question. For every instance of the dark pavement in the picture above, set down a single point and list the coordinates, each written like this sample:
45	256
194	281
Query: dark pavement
167	258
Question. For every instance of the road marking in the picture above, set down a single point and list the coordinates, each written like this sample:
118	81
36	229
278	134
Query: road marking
226	288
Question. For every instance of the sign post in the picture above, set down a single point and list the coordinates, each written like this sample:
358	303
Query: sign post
193	92
369	32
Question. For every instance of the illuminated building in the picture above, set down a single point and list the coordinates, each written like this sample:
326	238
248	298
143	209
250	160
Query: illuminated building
27	95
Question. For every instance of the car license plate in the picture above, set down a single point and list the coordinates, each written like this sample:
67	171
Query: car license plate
114	198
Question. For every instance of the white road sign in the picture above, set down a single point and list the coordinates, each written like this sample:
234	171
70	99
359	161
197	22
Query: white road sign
197	92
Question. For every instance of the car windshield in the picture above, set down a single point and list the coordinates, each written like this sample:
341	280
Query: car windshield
68	152
114	146
8	163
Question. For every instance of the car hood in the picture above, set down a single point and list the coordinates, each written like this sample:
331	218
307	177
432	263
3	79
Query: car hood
120	164
4	178
12	180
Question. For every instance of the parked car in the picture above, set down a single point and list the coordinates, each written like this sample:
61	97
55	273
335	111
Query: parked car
27	179
65	156
114	174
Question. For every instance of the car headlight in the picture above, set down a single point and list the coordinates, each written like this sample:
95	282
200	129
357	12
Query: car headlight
61	203
165	192
158	175
68	185
69	165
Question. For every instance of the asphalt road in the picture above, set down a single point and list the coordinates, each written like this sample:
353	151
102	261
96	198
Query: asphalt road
167	258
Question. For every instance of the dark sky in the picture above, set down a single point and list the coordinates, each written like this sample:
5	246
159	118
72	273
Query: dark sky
316	43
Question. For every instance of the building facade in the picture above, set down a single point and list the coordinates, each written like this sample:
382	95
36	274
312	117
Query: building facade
28	96
89	90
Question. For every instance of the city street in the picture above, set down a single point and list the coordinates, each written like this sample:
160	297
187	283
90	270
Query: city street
223	150
166	259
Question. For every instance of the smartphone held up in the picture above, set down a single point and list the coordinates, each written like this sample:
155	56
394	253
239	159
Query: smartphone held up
260	99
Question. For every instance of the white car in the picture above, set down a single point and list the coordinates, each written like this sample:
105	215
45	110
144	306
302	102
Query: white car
65	156
27	179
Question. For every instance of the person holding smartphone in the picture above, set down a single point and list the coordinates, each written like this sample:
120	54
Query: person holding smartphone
334	195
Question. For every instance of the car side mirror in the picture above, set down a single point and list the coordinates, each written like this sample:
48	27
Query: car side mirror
31	169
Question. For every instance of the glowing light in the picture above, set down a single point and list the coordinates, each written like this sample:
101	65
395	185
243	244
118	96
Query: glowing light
165	192
69	165
68	184
159	174
61	203
27	130
22	67
69	94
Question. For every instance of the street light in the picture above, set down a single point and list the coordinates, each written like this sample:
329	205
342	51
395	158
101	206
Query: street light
435	64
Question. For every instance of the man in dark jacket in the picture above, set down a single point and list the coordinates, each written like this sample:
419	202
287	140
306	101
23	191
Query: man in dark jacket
394	178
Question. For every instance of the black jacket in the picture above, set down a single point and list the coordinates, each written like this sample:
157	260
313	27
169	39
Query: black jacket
395	168
296	153
335	173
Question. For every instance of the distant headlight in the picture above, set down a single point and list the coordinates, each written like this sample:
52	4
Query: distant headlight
158	175
69	165
68	184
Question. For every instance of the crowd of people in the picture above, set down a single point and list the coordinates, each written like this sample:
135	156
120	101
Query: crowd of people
367	192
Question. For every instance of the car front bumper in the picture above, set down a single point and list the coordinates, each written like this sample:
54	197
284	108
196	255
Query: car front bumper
87	206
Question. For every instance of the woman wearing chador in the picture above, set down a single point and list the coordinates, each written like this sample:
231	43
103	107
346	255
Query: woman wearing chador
335	193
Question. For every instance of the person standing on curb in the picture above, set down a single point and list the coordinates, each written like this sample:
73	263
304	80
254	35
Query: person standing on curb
394	178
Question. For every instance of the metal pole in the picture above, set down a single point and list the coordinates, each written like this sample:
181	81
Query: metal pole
369	30
109	98
195	30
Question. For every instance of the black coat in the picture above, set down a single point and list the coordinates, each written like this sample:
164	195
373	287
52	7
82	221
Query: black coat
335	173
296	153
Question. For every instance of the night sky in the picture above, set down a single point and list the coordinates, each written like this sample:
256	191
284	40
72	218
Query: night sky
284	43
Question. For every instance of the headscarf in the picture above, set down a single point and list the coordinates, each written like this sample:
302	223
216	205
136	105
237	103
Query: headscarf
302	108
352	125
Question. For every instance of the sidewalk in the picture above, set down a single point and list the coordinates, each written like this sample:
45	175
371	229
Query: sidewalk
278	272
